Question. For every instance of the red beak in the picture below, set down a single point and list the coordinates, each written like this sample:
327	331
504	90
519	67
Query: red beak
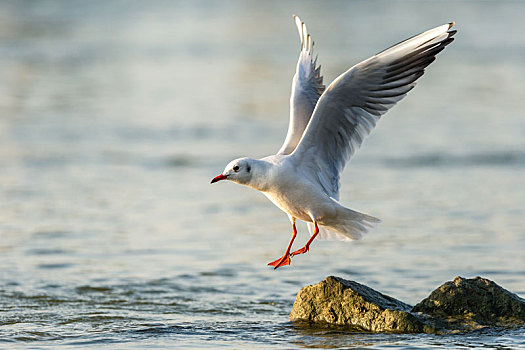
218	178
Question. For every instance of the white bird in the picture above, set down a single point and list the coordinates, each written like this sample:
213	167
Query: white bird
326	127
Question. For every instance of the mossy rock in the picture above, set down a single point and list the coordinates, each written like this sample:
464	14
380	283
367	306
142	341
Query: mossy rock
341	302
473	303
457	306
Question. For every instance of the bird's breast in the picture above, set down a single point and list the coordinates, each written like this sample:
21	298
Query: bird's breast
299	199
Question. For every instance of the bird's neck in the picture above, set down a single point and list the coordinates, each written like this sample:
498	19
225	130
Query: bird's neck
261	173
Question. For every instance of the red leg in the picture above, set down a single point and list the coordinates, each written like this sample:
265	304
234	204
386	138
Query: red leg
307	245
285	259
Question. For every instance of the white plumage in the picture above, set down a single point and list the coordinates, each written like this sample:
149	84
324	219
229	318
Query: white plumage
326	128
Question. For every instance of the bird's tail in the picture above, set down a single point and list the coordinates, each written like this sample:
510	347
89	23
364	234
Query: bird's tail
347	225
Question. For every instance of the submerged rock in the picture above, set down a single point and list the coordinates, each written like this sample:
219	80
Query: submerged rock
461	305
473	303
341	302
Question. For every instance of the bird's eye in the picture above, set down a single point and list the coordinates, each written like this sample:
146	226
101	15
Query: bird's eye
236	168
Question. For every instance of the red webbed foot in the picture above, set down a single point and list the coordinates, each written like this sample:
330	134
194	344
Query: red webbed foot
282	261
300	251
285	259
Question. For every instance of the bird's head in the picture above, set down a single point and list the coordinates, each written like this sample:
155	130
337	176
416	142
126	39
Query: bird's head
238	170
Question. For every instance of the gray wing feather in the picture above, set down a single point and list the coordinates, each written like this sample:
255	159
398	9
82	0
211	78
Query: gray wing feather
307	86
351	106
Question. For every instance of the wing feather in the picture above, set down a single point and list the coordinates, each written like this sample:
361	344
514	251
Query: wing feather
307	86
352	105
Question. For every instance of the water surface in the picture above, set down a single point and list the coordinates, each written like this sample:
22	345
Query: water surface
116	115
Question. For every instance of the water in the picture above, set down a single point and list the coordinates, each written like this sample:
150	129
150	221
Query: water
116	115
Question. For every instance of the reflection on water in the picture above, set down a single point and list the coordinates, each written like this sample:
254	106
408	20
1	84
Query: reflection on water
115	116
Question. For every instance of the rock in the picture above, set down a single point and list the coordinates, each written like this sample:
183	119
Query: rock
468	304
457	306
341	302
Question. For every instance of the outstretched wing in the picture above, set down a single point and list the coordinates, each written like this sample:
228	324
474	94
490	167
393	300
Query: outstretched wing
353	103
307	86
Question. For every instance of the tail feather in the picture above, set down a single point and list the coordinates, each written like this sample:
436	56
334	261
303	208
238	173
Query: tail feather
347	225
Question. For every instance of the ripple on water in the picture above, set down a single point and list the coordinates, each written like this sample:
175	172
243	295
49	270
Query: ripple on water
55	266
503	158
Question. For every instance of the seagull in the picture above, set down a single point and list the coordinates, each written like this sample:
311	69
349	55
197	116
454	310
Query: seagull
327	126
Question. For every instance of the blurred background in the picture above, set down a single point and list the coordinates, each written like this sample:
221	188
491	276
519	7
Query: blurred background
114	117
